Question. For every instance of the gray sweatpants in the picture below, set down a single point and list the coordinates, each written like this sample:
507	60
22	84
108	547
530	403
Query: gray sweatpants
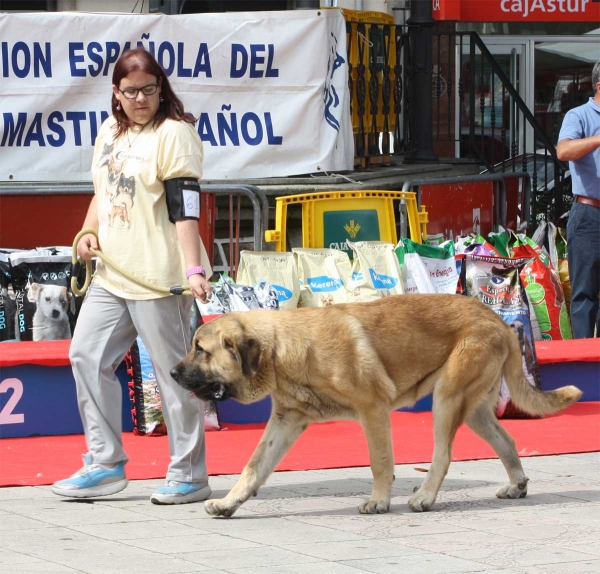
106	328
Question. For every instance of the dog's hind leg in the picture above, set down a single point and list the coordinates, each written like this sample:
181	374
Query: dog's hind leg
281	432
457	393
448	414
483	422
377	429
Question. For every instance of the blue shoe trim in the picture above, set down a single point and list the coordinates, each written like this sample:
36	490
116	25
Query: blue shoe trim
94	477
182	488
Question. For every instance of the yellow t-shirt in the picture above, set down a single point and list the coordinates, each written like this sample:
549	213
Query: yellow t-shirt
134	228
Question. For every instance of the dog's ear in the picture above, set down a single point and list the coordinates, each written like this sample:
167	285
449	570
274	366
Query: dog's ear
71	299
251	352
34	291
247	352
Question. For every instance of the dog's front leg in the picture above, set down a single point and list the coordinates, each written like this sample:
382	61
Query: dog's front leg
377	427
282	431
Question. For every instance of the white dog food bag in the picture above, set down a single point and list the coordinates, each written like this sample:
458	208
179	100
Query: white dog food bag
415	275
323	274
438	260
375	271
276	268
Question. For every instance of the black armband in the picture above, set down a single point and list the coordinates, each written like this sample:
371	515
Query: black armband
183	199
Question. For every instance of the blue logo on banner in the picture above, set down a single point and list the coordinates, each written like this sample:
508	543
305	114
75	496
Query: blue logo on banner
283	294
324	284
382	281
330	96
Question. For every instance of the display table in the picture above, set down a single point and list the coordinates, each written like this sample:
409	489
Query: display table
38	397
37	390
575	362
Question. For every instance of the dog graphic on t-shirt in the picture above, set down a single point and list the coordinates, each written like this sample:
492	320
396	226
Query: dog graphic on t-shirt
122	203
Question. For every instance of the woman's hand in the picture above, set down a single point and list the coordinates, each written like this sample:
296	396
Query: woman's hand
87	242
200	287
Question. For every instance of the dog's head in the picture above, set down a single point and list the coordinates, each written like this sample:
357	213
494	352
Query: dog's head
52	301
126	185
114	170
223	363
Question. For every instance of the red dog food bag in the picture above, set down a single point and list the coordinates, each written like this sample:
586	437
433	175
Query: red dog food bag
544	289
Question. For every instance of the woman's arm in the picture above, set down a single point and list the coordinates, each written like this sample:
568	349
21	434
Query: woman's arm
189	238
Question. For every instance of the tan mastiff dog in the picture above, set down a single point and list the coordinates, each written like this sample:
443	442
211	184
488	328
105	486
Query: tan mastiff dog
361	361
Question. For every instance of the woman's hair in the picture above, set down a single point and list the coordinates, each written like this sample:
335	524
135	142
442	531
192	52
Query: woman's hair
139	59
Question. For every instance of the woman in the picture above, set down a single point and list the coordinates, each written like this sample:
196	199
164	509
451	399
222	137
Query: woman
146	166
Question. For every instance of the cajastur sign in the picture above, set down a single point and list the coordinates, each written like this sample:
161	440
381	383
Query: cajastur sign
517	10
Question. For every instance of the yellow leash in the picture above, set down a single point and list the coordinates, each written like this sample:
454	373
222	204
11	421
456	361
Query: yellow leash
76	263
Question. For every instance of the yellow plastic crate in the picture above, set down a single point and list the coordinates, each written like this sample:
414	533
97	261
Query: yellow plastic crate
331	217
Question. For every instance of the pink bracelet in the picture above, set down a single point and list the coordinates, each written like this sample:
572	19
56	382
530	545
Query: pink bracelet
195	271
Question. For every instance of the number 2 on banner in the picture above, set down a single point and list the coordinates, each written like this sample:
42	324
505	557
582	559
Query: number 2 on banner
6	414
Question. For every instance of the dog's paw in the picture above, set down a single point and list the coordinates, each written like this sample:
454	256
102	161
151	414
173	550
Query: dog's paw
218	508
518	490
374	507
421	502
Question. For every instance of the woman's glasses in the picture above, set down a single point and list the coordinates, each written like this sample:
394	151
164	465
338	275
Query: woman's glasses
132	93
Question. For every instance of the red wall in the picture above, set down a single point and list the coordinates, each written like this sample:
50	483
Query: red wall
28	221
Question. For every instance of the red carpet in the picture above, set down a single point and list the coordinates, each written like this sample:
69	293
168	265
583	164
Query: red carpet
42	460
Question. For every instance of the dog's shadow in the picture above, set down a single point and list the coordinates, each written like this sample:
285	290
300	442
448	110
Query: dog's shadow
272	498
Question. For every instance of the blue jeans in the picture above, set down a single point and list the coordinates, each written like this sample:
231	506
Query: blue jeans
583	244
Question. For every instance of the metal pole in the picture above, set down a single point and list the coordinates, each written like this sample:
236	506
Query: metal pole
420	30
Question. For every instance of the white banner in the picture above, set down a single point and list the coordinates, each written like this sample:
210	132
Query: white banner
269	89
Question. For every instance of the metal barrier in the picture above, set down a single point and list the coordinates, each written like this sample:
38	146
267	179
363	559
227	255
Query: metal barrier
260	205
69	227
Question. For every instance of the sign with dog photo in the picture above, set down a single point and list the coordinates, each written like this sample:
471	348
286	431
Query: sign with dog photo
269	89
45	307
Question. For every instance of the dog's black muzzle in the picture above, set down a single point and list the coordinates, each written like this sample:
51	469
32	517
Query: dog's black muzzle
191	379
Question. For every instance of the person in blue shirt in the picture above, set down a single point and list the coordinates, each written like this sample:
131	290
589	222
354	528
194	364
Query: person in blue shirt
579	144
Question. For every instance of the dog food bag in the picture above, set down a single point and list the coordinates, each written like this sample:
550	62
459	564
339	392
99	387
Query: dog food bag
45	308
276	268
461	268
8	305
415	276
323	274
495	282
241	297
563	265
545	292
146	408
461	242
435	239
144	395
266	296
500	240
219	303
439	262
375	271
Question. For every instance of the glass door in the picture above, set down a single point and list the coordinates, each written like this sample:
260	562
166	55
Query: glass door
487	118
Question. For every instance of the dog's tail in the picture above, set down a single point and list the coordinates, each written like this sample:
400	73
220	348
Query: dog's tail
529	398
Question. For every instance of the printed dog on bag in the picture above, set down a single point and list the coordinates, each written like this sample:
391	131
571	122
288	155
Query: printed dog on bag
361	361
50	320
